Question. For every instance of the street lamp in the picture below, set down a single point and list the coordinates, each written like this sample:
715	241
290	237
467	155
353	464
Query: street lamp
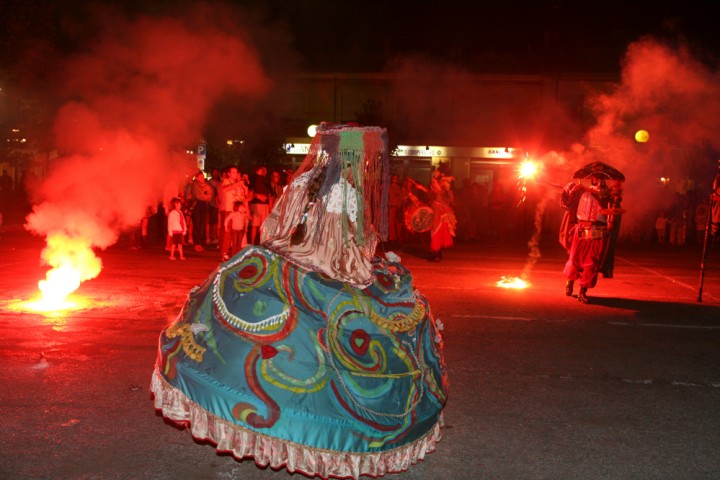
642	136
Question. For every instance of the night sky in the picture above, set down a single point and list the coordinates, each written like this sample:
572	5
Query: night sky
352	35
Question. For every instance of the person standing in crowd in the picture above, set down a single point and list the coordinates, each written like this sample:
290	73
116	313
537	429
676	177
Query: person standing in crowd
171	191
465	210
139	234
661	226
212	233
701	220
682	227
176	228
395	199
277	188
498	201
259	203
201	194
589	234
231	189
673	223
236	227
187	209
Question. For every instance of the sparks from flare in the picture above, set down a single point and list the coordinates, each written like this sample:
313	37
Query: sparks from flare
527	171
533	245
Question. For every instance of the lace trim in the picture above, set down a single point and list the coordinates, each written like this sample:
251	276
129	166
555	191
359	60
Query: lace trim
335	202
267	450
237	322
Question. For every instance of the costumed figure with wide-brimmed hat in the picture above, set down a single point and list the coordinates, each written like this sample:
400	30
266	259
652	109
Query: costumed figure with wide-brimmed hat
309	351
590	226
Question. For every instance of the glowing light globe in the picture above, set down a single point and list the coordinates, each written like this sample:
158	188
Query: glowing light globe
642	136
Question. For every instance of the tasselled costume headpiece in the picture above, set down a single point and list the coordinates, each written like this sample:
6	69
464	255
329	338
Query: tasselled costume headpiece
359	155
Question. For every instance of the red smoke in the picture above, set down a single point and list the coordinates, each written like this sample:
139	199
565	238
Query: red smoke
140	94
676	98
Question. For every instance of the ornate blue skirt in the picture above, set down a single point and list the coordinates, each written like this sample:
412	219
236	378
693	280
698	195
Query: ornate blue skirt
276	362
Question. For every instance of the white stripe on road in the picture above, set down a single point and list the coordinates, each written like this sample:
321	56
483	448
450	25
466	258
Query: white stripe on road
667	325
657	274
674	383
492	317
669	279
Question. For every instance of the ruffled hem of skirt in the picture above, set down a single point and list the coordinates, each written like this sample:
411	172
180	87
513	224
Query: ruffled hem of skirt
277	453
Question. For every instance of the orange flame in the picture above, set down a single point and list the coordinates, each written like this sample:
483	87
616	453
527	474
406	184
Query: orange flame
512	282
73	262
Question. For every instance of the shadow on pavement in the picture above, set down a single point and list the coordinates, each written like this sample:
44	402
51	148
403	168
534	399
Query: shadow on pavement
664	312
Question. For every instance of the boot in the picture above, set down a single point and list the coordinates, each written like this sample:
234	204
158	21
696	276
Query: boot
436	257
569	288
582	295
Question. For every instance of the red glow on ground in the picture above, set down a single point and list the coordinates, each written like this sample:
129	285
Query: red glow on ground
60	308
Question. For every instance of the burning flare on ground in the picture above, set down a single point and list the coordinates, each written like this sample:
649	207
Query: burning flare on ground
516	283
73	262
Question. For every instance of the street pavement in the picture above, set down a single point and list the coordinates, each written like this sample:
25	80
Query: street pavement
541	386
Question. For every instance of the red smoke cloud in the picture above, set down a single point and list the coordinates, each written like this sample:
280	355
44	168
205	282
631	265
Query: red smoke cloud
140	94
676	98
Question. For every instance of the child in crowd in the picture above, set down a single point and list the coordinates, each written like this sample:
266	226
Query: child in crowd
235	226
176	228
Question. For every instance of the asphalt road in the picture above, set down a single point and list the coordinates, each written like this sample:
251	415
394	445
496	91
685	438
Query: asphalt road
542	387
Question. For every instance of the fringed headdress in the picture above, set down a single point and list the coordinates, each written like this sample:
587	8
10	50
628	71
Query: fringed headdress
358	155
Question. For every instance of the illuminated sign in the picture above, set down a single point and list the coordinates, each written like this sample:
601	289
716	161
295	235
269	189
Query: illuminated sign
201	155
296	148
500	152
427	151
419	151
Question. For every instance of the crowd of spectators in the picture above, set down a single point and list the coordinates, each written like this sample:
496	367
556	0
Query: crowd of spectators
222	211
485	212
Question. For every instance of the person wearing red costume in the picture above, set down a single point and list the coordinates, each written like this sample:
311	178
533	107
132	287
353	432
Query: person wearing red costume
589	234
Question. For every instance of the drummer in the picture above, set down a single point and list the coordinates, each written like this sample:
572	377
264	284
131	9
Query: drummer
441	200
590	235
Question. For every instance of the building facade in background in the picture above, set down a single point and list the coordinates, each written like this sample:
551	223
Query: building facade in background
480	125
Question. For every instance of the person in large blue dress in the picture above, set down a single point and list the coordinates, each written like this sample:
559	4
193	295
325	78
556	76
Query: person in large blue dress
311	352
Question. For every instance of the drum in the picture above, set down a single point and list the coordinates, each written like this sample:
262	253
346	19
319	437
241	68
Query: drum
419	218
